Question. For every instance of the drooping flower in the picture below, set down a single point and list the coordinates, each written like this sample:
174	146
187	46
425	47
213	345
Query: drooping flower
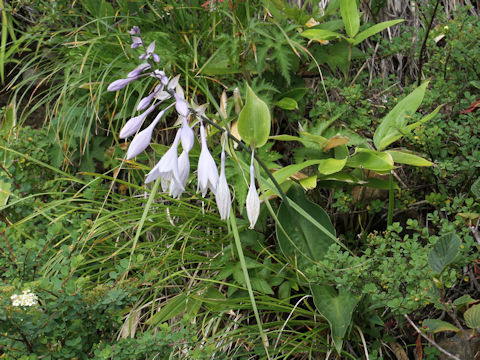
181	105
141	141
134	30
120	84
132	125
177	189
186	135
253	200
150	53
138	70
222	195
167	167
207	170
142	105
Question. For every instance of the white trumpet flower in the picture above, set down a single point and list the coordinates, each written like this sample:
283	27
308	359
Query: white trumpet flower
253	200
222	195
207	170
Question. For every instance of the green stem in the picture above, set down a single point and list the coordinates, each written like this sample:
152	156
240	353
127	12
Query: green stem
247	280
391	199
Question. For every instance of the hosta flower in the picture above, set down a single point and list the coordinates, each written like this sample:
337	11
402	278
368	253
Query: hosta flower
120	84
186	135
138	70
167	167
177	189
253	201
181	105
141	141
134	30
150	53
222	196
132	125
207	170
143	104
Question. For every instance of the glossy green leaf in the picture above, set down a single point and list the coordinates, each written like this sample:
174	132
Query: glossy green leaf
444	252
435	326
254	120
331	166
320	34
375	29
287	103
287	171
300	241
395	122
408	158
337	308
371	160
350	16
472	317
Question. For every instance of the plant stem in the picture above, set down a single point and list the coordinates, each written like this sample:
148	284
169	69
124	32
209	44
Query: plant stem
424	44
391	199
238	244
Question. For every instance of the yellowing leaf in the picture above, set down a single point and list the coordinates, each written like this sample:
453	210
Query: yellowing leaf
335	141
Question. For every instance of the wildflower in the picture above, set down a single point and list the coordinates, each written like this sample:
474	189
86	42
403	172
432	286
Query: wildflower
207	170
142	105
138	70
120	84
181	105
253	201
167	167
186	135
222	196
132	125
141	141
26	299
177	189
136	42
149	53
134	30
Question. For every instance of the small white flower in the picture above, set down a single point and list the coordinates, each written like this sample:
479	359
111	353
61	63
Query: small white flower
177	189
167	167
253	201
26	299
222	196
207	170
186	135
181	105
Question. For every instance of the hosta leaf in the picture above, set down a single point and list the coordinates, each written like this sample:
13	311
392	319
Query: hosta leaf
254	120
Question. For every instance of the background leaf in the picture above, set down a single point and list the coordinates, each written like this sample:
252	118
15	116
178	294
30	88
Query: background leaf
444	252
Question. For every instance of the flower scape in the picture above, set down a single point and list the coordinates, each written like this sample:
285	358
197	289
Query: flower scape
173	169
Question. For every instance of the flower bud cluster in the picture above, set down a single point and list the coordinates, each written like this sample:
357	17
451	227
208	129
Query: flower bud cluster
26	299
174	169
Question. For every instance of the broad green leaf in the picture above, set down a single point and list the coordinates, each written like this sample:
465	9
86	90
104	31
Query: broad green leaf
320	34
472	317
343	177
289	170
331	166
309	183
371	160
435	326
392	125
337	308
350	16
9	119
320	140
365	34
287	103
4	192
408	158
463	301
254	120
444	252
299	239
424	119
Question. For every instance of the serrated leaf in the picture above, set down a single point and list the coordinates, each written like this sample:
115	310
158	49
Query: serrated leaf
444	252
472	317
435	326
375	29
254	120
463	301
408	158
350	16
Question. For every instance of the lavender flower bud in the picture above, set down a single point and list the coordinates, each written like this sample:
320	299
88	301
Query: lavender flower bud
138	70
222	195
181	106
119	84
187	137
207	170
132	125
156	58
141	141
151	48
134	30
253	201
